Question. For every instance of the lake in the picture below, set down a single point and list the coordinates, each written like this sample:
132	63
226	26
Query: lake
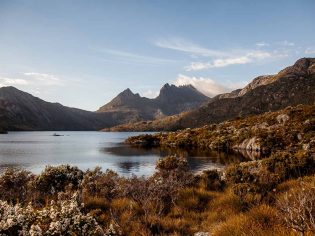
34	150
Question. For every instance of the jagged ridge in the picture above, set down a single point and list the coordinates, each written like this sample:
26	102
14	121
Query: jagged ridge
171	100
292	86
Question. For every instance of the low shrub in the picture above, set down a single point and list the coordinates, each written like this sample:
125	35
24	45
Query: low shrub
14	185
298	208
55	179
101	185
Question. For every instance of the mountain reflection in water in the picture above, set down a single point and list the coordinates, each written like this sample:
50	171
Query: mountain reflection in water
86	150
198	160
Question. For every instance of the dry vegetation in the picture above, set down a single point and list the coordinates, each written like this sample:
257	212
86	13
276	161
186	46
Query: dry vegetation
274	196
290	129
270	196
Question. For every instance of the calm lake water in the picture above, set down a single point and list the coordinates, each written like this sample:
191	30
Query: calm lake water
34	150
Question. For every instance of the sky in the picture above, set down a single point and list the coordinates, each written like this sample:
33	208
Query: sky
83	53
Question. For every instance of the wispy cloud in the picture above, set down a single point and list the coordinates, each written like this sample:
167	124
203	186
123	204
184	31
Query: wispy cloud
204	58
187	47
31	79
12	82
205	85
150	93
310	51
239	60
262	44
43	79
128	57
286	43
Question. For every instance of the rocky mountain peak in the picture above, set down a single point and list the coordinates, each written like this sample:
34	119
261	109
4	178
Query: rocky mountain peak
127	93
258	81
167	87
301	67
171	100
171	90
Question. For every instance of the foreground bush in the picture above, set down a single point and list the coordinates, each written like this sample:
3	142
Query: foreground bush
269	197
256	181
14	185
298	208
63	217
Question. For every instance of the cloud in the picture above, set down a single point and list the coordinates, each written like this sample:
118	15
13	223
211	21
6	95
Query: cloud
12	82
220	58
31	79
248	58
127	57
43	79
188	47
150	93
286	43
262	44
205	85
310	51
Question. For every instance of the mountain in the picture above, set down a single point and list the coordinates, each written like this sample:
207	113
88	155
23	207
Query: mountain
292	86
22	111
171	100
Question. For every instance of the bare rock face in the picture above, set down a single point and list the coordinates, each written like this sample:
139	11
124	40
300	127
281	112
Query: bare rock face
301	68
251	144
259	81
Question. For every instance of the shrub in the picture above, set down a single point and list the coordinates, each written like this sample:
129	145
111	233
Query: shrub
255	181
14	185
211	180
298	208
101	185
55	179
63	217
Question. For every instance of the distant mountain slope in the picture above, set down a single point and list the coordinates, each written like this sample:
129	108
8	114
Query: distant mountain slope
292	86
22	111
171	100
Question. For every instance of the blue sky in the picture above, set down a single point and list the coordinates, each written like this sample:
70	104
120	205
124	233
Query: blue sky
83	53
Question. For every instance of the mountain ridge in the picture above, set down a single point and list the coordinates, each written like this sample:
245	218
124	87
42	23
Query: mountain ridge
130	112
291	86
22	111
171	100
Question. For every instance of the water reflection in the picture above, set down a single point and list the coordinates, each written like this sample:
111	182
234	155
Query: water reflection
34	150
252	155
129	167
198	159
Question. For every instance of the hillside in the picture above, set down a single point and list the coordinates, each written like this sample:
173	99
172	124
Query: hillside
171	100
22	111
292	86
291	129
